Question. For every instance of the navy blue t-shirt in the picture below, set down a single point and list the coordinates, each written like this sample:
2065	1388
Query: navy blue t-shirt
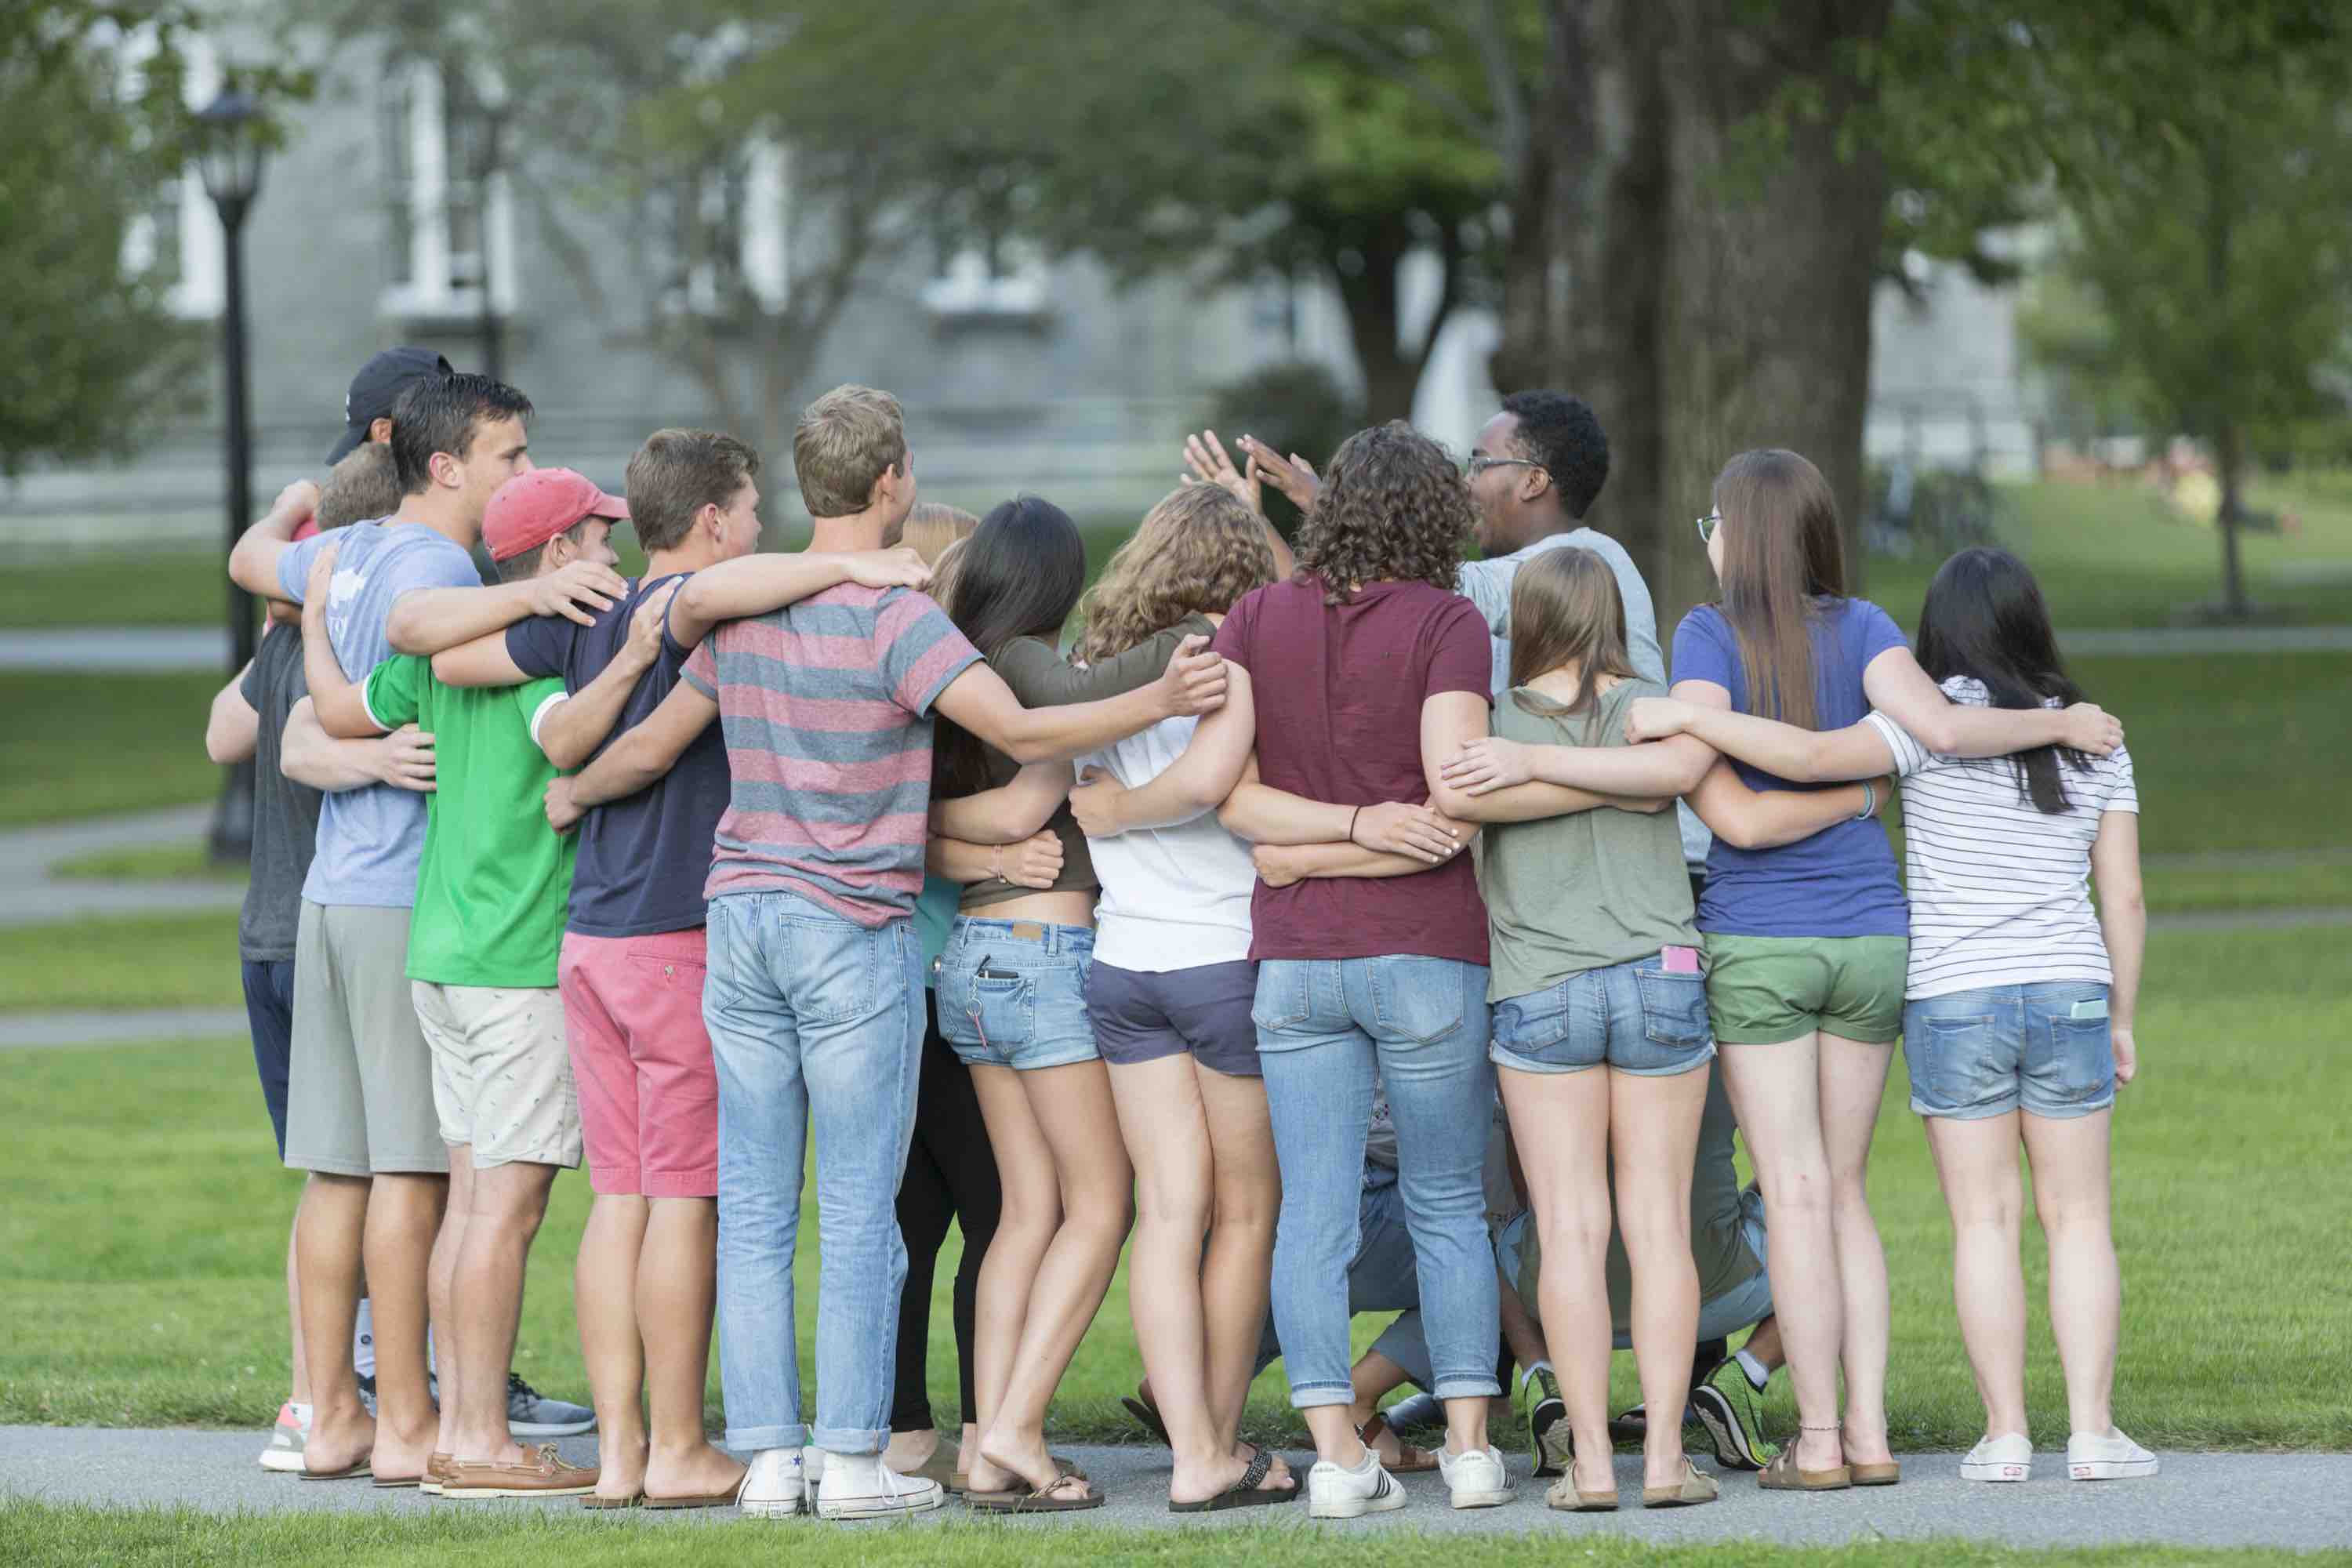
1841	881
644	858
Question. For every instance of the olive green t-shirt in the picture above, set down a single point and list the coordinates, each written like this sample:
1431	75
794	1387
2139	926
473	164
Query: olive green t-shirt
1565	894
1042	678
495	882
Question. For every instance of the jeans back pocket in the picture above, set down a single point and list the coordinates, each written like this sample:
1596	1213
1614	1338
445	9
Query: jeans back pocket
1002	1007
1673	1008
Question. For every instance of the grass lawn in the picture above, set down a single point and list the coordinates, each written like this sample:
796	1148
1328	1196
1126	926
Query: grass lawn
2117	555
149	863
89	745
35	1535
136	961
141	1234
133	586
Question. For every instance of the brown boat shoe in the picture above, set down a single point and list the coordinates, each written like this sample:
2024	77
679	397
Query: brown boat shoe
542	1474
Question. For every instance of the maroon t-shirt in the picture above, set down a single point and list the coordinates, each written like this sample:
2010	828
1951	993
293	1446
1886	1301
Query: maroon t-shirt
1339	690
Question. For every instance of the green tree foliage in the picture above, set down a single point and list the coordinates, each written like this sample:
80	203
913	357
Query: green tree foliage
88	349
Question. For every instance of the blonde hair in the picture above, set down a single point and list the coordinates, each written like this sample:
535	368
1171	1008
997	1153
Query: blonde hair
361	488
944	568
1195	553
930	528
1566	609
845	441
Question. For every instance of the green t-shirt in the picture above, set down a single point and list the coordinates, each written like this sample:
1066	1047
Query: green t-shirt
496	880
1565	894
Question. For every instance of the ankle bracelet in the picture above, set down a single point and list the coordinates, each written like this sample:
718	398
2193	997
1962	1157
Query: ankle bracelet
1809	1427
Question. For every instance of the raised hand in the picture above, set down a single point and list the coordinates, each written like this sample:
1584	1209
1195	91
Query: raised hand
1656	718
404	758
563	813
1194	680
1490	764
577	591
1036	862
2091	728
1205	462
1294	476
1394	828
901	567
1095	803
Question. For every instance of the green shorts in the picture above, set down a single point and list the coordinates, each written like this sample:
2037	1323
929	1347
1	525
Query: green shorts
1765	990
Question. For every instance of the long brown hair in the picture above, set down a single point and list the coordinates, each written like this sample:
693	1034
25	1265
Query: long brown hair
1566	609
1781	553
1393	506
1197	551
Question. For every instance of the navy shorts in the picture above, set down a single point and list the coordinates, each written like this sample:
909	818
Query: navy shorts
1140	1017
269	1010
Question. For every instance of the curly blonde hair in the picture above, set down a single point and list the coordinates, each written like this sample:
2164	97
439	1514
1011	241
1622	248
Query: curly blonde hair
1196	551
1394	506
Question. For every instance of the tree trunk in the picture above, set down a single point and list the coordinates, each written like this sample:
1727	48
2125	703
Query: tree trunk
2230	458
1371	298
1701	311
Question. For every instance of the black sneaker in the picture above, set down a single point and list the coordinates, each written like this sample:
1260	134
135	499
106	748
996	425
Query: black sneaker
1550	1437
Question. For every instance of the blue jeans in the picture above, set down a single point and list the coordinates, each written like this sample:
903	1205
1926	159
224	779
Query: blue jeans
813	1020
1013	993
2047	1046
1635	1017
1326	1028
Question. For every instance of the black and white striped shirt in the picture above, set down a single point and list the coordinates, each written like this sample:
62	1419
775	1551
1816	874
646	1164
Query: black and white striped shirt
1999	890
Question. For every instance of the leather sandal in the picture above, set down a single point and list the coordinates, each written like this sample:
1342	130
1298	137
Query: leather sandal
1409	1460
1886	1473
1691	1491
1783	1476
1566	1496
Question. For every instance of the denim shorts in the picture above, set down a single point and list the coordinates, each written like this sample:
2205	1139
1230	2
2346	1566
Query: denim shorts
1634	1016
2045	1047
1013	993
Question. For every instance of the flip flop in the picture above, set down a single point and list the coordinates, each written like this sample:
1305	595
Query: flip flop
1409	1460
396	1484
727	1499
1042	1500
359	1471
1250	1491
593	1501
1149	1415
1064	1465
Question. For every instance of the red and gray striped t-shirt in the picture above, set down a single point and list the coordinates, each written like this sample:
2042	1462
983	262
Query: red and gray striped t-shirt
826	708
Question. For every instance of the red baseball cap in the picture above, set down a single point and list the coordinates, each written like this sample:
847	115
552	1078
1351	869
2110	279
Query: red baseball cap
531	508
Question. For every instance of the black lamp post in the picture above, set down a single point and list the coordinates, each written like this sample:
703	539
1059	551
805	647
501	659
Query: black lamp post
228	157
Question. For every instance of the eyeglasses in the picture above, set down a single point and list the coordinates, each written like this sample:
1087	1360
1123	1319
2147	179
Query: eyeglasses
1480	462
1707	526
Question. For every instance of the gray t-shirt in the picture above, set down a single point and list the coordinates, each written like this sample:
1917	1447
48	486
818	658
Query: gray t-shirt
1487	584
370	839
1565	894
285	814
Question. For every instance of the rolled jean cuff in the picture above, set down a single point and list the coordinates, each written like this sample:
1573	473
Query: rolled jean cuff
851	1440
752	1439
1306	1396
1469	1386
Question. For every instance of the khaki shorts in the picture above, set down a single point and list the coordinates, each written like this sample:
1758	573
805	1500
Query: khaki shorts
1767	990
358	1081
501	1073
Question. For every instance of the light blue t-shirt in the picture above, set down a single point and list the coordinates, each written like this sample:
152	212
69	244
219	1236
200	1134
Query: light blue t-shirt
1841	881
370	839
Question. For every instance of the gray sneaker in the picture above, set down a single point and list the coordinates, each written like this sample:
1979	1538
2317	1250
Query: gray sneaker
530	1414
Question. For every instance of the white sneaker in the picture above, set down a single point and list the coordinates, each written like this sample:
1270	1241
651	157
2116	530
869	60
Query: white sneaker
860	1486
2108	1457
1334	1491
1476	1479
2008	1458
284	1452
775	1489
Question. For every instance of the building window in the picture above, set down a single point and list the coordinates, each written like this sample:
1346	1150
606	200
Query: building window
175	239
1001	281
723	228
448	212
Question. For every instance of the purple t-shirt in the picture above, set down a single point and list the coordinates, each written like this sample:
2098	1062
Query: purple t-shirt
1339	690
642	857
1841	881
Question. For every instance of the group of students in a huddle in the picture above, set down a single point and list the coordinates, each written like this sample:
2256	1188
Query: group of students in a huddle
1296	838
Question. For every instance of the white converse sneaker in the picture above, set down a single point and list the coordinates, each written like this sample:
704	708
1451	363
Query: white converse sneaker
1476	1479
774	1488
284	1451
2106	1457
860	1486
1334	1491
2008	1458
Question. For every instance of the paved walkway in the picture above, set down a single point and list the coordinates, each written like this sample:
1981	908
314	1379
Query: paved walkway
2203	1500
29	894
146	650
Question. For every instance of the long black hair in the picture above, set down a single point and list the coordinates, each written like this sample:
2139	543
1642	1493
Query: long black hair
1018	575
1985	618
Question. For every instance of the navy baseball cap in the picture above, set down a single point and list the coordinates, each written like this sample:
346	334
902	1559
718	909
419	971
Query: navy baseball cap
379	382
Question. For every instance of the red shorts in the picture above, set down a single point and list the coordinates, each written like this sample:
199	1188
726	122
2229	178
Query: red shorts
641	1060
